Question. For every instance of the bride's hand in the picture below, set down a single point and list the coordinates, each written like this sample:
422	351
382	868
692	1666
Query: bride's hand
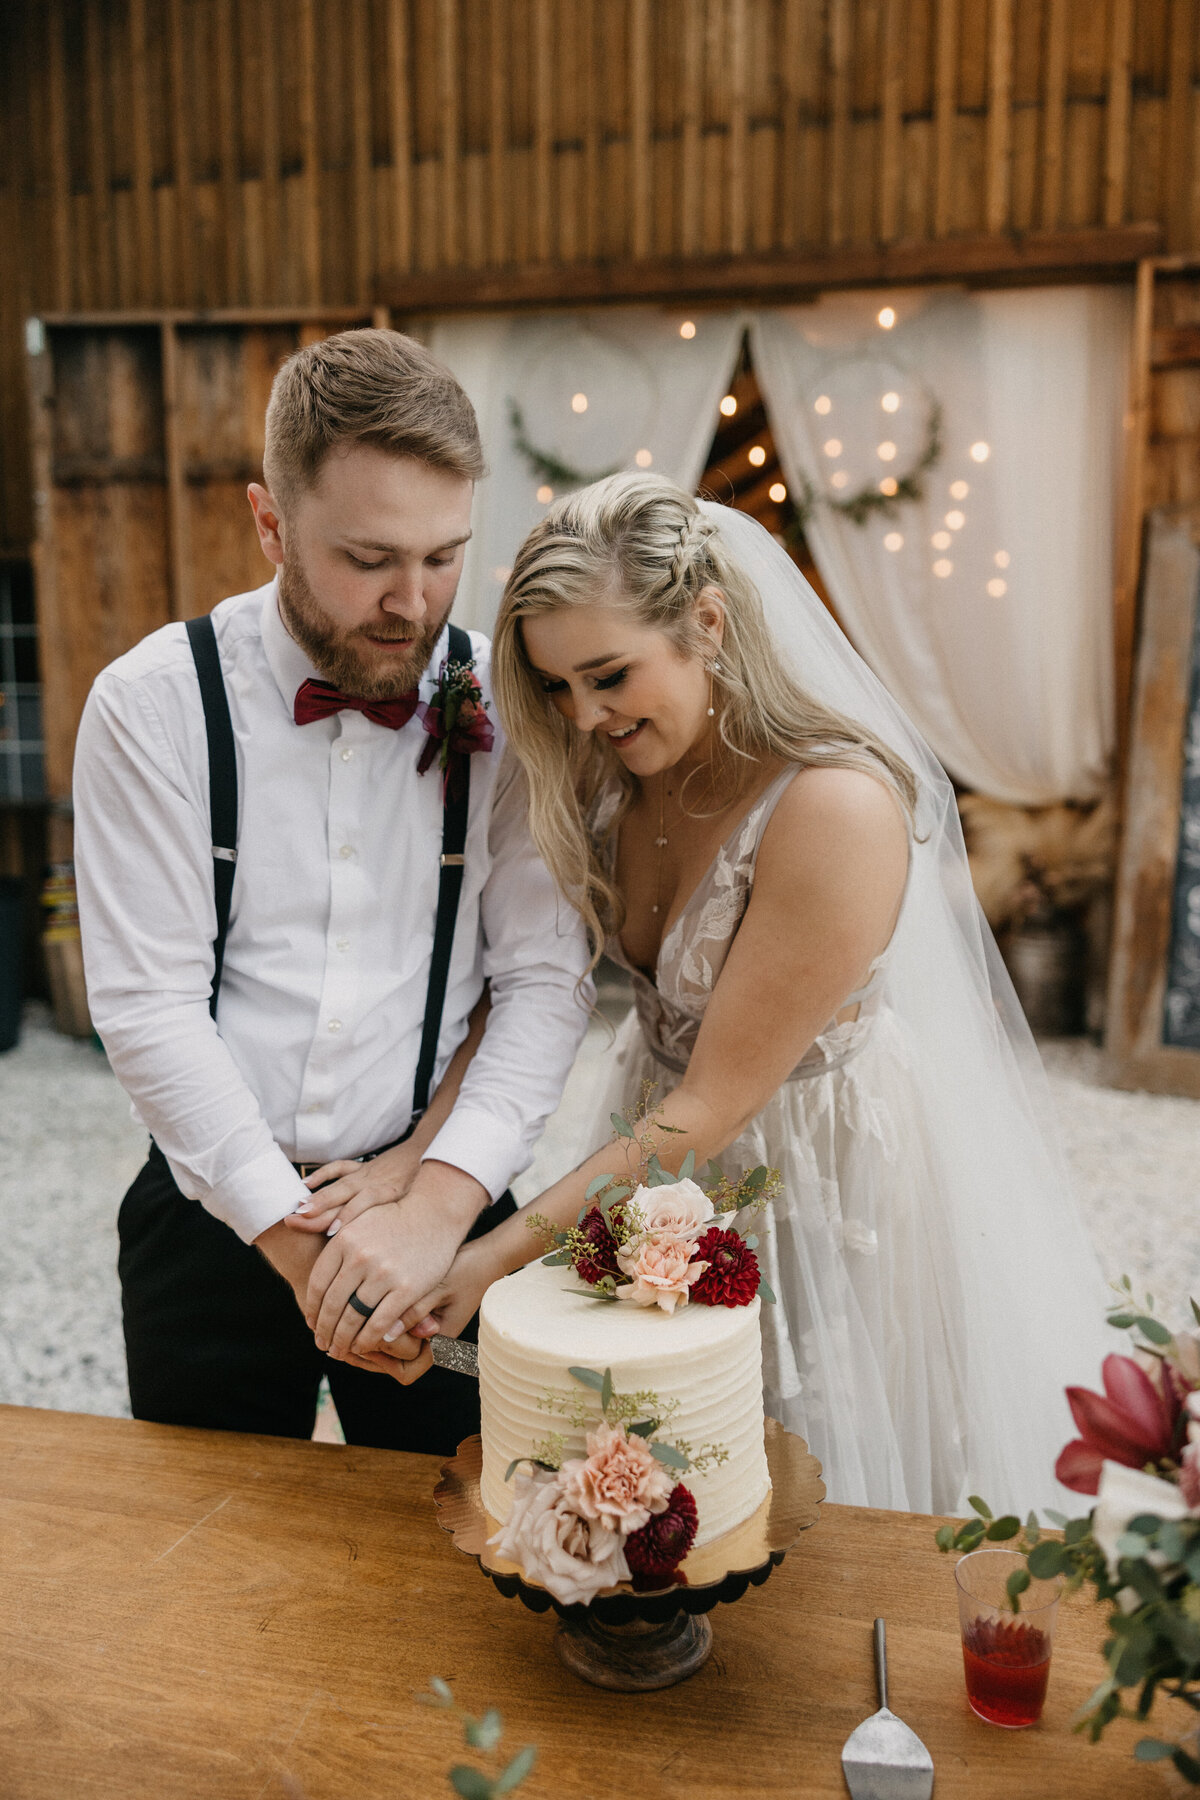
449	1306
343	1190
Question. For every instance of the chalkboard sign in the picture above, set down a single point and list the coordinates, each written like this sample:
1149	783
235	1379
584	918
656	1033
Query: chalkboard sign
1181	1024
1152	1038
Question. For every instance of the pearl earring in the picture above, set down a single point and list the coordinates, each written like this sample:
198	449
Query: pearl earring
714	668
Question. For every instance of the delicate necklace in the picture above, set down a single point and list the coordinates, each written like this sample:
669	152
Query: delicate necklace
661	840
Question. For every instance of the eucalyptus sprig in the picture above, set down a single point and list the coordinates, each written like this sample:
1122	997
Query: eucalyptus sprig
480	1734
543	464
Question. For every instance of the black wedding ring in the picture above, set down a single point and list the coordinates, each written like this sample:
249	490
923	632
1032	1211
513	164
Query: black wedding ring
360	1307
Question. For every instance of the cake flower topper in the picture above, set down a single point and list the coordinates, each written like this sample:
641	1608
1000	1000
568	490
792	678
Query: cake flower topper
619	1514
660	1239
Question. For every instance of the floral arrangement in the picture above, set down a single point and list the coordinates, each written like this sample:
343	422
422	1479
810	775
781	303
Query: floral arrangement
482	1734
1138	1452
662	1240
457	723
619	1514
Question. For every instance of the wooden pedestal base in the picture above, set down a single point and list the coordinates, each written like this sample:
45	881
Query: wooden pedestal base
637	1657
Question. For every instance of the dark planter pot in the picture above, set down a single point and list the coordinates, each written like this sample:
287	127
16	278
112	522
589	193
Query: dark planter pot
12	932
1048	965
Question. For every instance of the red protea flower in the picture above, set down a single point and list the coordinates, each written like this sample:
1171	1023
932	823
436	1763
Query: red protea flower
1136	1421
731	1278
655	1552
600	1258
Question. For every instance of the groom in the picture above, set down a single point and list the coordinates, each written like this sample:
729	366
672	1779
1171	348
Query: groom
296	878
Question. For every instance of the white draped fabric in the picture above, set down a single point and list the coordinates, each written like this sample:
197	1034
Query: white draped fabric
646	388
985	606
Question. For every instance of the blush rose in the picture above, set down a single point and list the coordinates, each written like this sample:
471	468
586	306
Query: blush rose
573	1557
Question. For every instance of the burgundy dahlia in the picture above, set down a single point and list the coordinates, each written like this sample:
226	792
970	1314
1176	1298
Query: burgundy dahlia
731	1278
600	1259
655	1552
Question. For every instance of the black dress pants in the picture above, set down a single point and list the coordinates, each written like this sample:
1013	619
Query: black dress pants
213	1336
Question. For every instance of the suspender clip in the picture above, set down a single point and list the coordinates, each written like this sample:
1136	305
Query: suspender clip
455	862
224	855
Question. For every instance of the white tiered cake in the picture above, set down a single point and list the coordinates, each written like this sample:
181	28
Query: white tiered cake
534	1325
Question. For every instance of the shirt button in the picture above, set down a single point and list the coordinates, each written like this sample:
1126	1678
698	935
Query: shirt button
346	850
334	1025
314	1106
347	753
343	943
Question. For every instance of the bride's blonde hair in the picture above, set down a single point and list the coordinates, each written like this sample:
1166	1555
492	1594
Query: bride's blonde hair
639	542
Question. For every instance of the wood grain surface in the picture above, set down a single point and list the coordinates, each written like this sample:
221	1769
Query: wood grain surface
190	1613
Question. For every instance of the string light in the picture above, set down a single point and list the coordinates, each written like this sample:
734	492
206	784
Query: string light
777	492
886	317
579	403
888	485
688	329
1002	559
886	451
545	495
893	541
729	406
940	540
758	456
839	478
643	459
980	452
501	574
890	403
959	490
956	520
822	404
997	588
942	567
833	447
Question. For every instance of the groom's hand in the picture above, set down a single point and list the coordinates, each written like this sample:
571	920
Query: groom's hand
389	1257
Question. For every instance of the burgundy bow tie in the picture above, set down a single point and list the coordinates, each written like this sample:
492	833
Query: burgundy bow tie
320	700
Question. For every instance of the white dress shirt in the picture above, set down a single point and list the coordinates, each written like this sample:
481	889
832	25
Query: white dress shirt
331	928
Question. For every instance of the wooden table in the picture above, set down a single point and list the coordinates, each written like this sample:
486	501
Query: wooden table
192	1613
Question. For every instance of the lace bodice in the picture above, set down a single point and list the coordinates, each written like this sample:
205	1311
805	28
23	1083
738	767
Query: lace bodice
693	953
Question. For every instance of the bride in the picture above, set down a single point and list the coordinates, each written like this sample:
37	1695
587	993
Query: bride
752	829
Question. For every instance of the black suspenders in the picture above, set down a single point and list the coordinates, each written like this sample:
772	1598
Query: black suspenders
223	806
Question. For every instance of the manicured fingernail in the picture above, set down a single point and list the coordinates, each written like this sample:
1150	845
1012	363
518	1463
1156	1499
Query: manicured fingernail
303	1205
389	1337
334	1228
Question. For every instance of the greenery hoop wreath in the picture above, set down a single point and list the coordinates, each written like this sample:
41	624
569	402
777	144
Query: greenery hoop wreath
872	499
543	464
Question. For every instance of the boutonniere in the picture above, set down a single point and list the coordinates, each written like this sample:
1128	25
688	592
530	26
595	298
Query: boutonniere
457	722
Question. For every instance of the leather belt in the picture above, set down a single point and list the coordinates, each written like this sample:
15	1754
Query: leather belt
305	1169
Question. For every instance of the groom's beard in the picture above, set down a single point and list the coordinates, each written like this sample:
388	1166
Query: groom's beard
347	658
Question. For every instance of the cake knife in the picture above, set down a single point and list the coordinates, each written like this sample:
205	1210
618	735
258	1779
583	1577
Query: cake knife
456	1354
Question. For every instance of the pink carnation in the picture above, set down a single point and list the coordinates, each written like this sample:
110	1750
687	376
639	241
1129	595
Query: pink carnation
621	1484
660	1270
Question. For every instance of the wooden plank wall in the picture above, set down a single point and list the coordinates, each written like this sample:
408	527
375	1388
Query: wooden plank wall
217	153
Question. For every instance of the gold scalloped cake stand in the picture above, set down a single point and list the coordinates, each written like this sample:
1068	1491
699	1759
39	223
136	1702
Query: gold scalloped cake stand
637	1641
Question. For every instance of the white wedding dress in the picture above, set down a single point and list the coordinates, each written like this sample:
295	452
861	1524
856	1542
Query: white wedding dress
935	1288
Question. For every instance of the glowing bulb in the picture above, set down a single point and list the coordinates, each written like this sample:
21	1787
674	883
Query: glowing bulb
643	459
1002	559
956	520
777	492
942	567
886	451
687	329
886	317
890	403
893	541
997	588
832	447
758	456
501	574
839	478
545	495
980	452
822	404
959	490
578	402
888	485
940	540
729	406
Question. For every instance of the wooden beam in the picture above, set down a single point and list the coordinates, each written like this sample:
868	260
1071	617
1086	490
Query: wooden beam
272	220
179	564
1054	94
945	115
448	186
1116	120
400	134
638	76
145	284
691	106
213	315
363	182
840	52
310	167
1178	147
543	133
101	289
891	119
60	181
998	195
1005	256
230	161
591	126
185	280
1132	507
736	163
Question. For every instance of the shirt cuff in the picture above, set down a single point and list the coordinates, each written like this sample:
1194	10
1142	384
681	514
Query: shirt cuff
260	1194
478	1144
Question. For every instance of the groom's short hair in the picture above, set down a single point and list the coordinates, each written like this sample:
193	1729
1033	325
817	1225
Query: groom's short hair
366	387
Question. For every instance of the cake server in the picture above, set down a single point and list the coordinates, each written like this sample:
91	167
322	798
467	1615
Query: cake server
882	1759
454	1353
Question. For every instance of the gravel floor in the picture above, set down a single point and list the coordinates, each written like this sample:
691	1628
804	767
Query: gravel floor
68	1150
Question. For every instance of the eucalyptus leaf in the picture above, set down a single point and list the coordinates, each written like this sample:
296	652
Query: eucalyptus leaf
470	1783
1015	1586
1047	1559
485	1733
558	1259
1075	1530
588	1378
687	1167
1195	1312
1055	1518
594	1187
516	1771
1000	1530
1154	1330
1132	1544
979	1506
1172	1542
1121	1321
621	1126
669	1456
716	1174
1145	1524
643	1428
944	1537
750	1241
606	1391
1152	1750
442	1688
766	1291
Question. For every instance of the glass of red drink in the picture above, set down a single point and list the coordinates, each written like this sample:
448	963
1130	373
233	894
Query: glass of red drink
1006	1654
